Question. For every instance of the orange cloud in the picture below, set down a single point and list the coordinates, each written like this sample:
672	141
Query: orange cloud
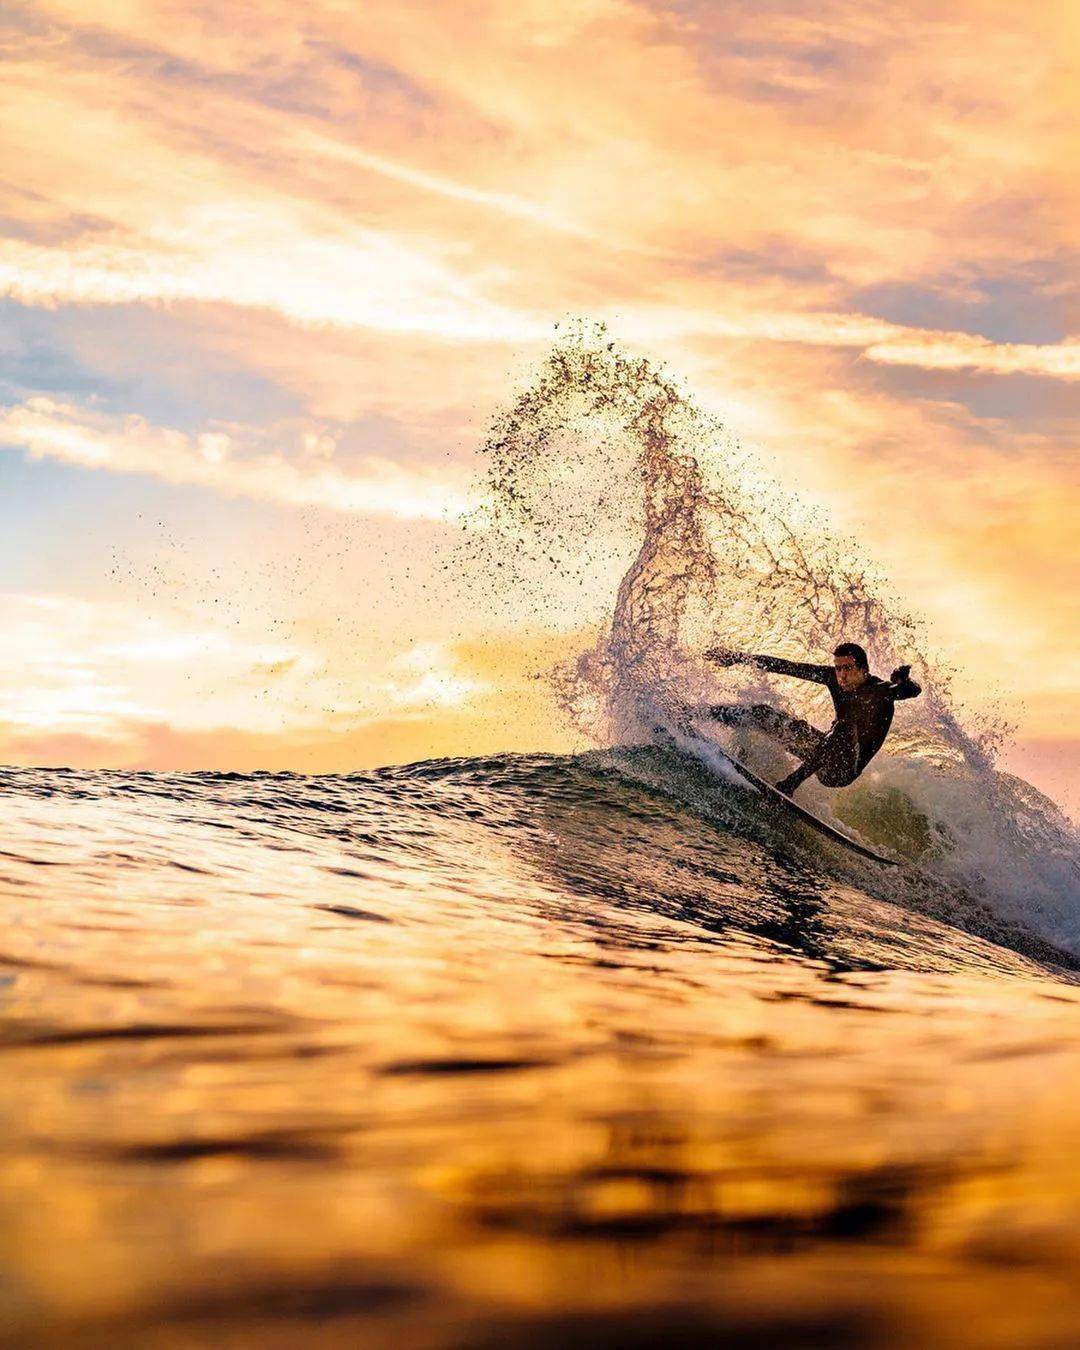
383	209
103	685
564	147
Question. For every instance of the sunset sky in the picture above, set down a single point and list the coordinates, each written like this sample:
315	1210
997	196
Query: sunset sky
267	271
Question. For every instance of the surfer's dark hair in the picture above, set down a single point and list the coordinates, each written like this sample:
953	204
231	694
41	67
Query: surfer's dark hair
853	649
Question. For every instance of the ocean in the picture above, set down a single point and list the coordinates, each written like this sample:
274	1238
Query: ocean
531	1050
518	1051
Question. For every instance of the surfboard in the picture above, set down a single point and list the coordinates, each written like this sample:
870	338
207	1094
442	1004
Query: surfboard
683	741
803	814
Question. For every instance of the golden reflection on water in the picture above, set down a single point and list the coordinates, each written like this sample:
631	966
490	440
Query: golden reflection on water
358	1071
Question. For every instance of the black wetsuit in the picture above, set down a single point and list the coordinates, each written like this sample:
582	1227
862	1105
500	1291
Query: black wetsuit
863	718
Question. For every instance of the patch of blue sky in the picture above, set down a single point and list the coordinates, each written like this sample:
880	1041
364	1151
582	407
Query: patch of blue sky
34	363
67	529
138	360
63	527
125	359
1024	305
59	523
1020	403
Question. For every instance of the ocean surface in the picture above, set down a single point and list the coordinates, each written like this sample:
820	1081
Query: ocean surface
534	1051
526	1051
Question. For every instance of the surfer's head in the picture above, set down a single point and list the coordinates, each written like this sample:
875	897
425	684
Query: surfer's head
850	664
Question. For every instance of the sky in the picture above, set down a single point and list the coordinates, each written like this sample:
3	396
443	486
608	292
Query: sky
268	271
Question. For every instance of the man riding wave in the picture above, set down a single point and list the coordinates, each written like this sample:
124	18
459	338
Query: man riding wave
863	705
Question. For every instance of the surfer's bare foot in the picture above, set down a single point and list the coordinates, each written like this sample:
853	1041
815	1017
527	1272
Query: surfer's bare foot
788	785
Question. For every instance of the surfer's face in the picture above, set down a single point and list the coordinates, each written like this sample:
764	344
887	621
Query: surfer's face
849	674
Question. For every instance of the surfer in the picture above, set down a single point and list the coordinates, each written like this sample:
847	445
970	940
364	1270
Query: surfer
863	705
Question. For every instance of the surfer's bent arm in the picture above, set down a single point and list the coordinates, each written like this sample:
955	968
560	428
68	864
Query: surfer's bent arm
902	685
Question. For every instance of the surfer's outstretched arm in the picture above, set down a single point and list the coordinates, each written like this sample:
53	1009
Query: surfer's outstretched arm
775	665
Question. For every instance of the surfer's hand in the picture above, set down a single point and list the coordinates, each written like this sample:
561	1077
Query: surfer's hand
901	673
723	656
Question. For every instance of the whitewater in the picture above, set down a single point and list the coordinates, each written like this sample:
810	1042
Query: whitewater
606	458
543	1050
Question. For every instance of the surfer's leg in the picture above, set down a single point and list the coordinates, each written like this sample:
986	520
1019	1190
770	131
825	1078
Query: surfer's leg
838	763
795	735
788	785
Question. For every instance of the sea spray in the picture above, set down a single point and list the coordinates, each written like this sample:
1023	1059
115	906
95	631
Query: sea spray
722	556
606	457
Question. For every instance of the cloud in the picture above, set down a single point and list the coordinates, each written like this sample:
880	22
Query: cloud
359	281
576	158
433	679
963	351
353	213
371	286
89	667
239	461
878	340
85	667
92	683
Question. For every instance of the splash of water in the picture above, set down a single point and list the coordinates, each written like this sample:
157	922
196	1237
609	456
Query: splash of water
723	556
605	455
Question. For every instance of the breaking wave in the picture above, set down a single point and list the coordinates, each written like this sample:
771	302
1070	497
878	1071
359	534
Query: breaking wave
614	502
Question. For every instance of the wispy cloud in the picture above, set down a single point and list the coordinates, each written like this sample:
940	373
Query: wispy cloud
363	281
963	351
92	682
878	340
85	667
238	461
487	217
371	284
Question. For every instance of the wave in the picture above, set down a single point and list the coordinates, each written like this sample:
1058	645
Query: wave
613	503
635	832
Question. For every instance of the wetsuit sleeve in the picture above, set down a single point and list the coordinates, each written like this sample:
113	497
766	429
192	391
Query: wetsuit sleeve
902	685
801	670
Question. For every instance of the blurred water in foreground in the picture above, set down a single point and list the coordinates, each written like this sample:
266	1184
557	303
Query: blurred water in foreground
512	1052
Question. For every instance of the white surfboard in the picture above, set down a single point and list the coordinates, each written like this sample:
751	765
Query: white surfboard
830	831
